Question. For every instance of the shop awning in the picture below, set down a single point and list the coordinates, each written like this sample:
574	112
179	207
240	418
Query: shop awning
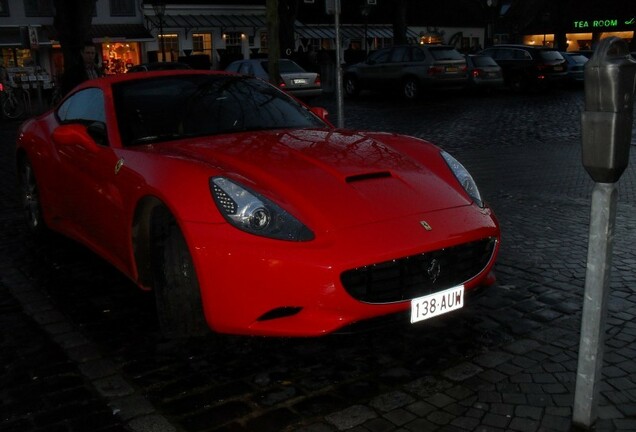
14	37
349	31
225	22
112	32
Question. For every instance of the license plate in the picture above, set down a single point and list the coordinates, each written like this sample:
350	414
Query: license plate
451	69
300	81
432	305
558	68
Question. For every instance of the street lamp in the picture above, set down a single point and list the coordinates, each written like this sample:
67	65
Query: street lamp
492	9
160	11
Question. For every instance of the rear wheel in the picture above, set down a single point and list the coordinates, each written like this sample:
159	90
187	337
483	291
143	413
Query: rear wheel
410	88
177	293
30	197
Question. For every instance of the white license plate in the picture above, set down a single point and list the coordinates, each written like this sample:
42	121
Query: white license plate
432	305
300	81
558	68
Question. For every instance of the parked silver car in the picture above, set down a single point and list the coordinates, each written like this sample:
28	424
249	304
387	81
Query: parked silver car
483	73
294	79
576	67
409	69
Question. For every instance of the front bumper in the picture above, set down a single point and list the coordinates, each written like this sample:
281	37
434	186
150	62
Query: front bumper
253	285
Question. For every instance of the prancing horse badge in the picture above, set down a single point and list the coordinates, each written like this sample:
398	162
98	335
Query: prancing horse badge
426	226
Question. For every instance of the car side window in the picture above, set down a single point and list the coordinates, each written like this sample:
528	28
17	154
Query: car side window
85	106
522	55
399	54
246	69
505	54
233	67
418	55
381	56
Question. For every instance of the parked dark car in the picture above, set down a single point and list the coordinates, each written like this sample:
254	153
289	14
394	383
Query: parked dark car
145	67
408	69
484	73
576	67
293	79
527	67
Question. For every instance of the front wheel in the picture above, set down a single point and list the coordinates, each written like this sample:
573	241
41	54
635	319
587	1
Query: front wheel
177	292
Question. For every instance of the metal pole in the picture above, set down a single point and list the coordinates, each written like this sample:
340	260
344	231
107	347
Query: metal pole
339	98
597	278
163	51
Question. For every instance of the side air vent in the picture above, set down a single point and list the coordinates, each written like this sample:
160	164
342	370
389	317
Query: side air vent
368	176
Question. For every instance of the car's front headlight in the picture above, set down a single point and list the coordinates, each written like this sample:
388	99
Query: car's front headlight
464	178
255	214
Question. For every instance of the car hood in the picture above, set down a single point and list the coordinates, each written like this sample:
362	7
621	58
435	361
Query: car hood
337	178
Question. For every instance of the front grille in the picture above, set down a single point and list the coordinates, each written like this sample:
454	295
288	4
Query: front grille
418	275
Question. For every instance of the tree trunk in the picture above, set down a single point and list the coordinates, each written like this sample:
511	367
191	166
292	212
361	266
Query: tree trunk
399	22
72	21
287	13
273	42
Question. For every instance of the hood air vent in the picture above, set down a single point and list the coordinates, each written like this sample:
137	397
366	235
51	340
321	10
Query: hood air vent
368	176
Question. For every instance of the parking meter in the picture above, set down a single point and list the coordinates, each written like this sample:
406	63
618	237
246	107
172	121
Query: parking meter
610	82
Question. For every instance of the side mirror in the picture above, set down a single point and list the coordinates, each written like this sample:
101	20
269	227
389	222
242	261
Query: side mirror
322	113
75	135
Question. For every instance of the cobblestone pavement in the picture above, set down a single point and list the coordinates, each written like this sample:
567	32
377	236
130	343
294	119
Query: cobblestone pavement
80	349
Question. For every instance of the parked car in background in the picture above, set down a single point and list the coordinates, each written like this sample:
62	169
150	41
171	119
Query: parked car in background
242	208
527	67
484	74
409	69
576	67
155	66
294	79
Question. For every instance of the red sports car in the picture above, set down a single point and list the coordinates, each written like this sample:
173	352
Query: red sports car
245	210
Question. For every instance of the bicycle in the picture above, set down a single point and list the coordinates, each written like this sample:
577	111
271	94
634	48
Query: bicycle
13	102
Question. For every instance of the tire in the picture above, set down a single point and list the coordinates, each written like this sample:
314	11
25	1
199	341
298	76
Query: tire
12	107
351	86
410	88
177	292
30	198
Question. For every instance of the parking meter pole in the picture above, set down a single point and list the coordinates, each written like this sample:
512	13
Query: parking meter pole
592	342
610	81
339	97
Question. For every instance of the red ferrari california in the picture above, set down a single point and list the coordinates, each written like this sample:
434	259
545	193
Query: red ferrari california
246	212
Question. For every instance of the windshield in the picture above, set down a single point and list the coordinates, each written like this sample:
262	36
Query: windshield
445	53
550	55
285	66
173	107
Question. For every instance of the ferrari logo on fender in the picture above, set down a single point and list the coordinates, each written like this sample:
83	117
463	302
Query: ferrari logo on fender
426	226
118	165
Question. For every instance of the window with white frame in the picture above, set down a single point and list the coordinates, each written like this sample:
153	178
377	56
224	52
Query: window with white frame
38	8
122	7
202	43
170	44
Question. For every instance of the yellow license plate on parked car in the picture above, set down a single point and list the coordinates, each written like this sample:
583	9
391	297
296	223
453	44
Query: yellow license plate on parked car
451	69
432	305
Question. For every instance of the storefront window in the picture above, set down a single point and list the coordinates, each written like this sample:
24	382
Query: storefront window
202	44
119	56
38	8
4	8
122	8
16	57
